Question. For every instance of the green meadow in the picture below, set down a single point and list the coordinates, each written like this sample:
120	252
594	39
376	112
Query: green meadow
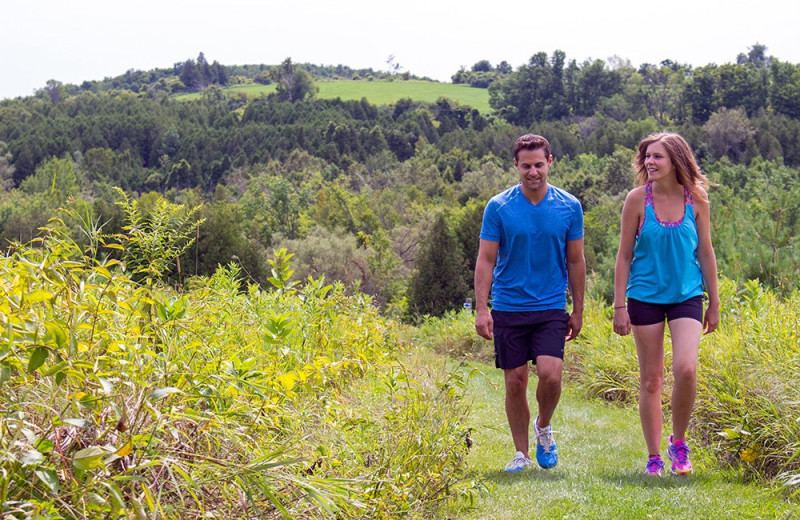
378	92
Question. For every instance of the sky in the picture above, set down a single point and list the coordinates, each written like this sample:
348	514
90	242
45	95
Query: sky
73	41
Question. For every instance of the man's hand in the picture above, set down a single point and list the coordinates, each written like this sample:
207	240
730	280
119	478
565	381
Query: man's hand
574	325
484	325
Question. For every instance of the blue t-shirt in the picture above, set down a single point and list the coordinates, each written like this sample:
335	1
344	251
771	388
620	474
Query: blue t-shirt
531	269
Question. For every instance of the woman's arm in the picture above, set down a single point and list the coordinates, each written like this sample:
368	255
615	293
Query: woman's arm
632	214
708	262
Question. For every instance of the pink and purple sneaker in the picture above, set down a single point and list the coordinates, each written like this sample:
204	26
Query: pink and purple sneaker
678	453
655	466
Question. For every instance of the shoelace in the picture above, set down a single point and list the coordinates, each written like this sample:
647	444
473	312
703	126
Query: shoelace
655	464
518	462
545	438
681	452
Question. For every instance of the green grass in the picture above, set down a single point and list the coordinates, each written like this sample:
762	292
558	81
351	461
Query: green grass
378	92
599	475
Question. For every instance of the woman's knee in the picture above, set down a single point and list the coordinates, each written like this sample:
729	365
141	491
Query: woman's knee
652	383
684	372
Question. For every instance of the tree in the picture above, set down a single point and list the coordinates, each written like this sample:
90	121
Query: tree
727	132
482	66
219	73
190	76
756	56
504	68
785	89
437	284
204	71
742	86
55	91
700	93
55	177
394	66
6	168
293	83
663	87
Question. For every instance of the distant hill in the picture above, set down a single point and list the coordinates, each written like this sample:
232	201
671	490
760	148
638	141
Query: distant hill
378	92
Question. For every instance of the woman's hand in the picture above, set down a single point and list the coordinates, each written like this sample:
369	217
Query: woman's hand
711	318
622	322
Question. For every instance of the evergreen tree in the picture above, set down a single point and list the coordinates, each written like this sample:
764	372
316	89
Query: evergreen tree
437	284
190	76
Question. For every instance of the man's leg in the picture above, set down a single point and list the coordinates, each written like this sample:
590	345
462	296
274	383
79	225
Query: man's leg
548	389
517	411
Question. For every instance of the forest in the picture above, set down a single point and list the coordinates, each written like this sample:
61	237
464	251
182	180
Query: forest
363	193
206	302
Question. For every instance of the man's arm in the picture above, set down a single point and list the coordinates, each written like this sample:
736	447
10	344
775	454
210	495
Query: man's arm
576	276
484	269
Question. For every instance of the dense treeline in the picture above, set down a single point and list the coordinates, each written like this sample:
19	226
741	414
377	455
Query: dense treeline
368	194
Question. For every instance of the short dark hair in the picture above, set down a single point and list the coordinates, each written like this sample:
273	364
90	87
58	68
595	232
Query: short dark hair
531	142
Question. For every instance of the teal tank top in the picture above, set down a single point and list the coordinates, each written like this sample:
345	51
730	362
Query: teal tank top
665	268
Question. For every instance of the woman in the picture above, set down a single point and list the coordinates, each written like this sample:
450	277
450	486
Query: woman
664	260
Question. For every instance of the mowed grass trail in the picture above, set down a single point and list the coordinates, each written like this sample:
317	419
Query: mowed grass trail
599	474
378	92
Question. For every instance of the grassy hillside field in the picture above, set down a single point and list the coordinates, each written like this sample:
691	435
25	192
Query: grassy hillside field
379	92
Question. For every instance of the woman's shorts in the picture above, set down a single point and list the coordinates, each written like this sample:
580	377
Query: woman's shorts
643	313
520	337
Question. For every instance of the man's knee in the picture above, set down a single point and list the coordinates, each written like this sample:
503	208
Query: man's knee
549	369
516	380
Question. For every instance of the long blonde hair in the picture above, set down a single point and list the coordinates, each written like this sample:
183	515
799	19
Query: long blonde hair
680	153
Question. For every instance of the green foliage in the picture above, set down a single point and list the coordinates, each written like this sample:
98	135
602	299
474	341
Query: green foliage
154	242
126	401
57	178
438	284
293	83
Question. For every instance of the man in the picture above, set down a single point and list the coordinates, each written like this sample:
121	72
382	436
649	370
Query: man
531	249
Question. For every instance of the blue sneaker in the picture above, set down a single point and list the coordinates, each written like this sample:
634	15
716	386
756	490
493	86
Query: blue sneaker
518	463
546	450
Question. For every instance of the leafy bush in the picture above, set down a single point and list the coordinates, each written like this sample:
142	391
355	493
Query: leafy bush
120	399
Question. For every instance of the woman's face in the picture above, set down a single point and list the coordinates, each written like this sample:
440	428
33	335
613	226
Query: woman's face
657	162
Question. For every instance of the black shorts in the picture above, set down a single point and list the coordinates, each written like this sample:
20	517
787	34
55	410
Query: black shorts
520	337
643	313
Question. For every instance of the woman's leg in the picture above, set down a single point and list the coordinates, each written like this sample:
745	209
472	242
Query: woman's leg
650	350
686	333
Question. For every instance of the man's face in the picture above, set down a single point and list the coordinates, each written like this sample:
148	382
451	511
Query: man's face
533	166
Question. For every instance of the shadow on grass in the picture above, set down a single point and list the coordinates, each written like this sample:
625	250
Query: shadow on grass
501	478
639	479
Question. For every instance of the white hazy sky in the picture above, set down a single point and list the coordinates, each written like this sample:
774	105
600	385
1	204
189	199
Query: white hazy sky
77	40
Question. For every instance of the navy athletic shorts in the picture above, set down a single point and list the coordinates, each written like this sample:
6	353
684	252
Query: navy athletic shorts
520	337
643	313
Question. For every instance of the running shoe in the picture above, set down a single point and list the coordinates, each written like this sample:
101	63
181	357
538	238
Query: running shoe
678	453
546	450
655	466
518	463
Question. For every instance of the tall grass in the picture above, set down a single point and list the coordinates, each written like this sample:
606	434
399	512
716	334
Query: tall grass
748	401
124	399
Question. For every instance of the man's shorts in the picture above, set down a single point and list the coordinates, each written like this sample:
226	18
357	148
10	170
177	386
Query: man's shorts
520	337
643	313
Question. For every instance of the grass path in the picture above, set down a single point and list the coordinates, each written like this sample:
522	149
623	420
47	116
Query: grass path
599	475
